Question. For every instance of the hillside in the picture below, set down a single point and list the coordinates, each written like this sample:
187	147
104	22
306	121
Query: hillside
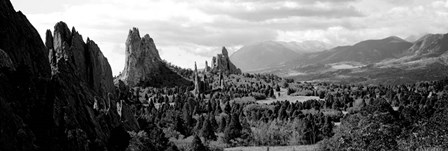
426	59
273	53
365	52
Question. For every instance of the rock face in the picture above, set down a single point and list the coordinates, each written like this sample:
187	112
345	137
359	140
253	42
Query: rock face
143	65
431	45
207	68
222	63
69	51
47	95
5	61
142	58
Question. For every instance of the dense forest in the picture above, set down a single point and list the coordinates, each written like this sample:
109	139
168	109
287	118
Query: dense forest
339	117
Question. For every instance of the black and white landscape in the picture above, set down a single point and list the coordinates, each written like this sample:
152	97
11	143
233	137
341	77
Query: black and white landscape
181	75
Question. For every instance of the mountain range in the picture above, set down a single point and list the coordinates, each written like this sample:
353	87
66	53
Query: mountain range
268	54
387	58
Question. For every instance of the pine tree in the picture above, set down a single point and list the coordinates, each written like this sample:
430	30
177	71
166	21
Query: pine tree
199	124
282	114
187	115
213	121
146	97
227	108
218	109
207	131
197	145
233	130
157	137
172	148
222	124
179	126
327	128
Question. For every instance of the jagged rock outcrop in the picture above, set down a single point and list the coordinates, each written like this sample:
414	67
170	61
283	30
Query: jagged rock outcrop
207	68
142	58
222	63
5	61
143	65
50	107
84	58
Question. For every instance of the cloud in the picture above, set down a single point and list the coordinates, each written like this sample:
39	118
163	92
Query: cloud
278	10
194	30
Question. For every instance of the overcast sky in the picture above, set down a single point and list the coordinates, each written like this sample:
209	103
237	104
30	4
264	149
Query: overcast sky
194	30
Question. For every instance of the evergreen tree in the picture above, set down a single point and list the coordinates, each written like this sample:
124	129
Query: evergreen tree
207	131
282	113
172	148
178	125
213	121
187	115
218	109
157	137
199	124
222	124
197	145
233	130
327	128
146	97
227	108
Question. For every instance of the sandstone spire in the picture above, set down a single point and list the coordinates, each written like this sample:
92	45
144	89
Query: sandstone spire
68	51
142	58
143	64
222	63
207	68
196	79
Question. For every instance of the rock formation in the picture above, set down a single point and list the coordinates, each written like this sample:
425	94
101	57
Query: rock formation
222	63
50	107
207	68
5	61
67	50
143	65
196	79
200	81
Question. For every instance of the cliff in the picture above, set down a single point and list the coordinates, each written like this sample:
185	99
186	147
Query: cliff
48	91
222	63
143	65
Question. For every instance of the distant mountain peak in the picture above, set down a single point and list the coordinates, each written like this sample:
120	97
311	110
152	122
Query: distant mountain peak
415	37
272	53
395	39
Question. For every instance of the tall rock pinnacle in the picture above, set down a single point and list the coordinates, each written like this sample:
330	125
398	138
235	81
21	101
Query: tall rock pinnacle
142	58
143	64
222	63
69	53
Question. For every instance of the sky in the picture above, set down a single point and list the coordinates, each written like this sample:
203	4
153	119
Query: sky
186	31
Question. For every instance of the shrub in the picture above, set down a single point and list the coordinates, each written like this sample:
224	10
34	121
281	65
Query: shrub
259	96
